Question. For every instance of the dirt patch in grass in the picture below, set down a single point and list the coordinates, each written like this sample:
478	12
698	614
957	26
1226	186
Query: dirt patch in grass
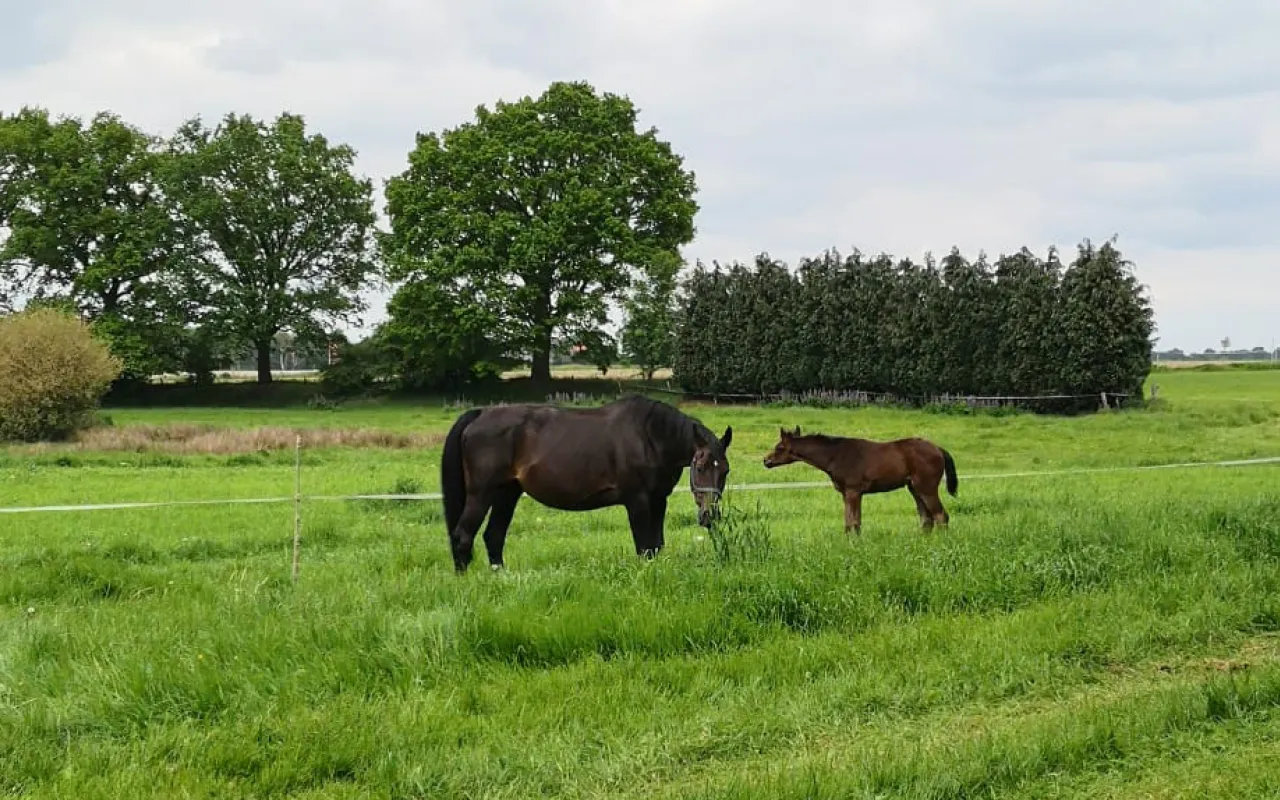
215	440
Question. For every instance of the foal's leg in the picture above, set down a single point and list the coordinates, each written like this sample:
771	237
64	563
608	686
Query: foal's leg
933	498
939	514
495	533
852	512
462	538
640	516
926	518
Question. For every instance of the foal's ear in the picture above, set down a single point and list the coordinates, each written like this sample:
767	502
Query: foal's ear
728	437
797	431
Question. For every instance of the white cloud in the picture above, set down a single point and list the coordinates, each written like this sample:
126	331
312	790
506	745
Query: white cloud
899	125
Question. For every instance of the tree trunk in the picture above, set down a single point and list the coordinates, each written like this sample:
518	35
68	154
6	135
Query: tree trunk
263	347
540	371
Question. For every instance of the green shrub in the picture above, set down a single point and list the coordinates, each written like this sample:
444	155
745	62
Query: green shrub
364	367
53	373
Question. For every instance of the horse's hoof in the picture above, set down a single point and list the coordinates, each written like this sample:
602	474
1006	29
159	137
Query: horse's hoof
496	567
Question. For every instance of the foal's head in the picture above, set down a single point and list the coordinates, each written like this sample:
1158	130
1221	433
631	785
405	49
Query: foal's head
707	473
782	453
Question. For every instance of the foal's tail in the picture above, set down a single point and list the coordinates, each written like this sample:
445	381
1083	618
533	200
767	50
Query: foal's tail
453	480
949	466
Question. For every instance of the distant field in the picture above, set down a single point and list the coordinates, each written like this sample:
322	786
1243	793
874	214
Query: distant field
1219	364
1087	635
621	372
563	370
617	372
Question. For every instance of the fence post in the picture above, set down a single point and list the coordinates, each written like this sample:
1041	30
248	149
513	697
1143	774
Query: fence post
297	503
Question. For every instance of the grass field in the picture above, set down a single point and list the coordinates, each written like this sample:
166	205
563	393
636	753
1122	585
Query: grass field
1096	635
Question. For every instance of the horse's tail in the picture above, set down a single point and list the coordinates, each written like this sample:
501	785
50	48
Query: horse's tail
453	480
949	466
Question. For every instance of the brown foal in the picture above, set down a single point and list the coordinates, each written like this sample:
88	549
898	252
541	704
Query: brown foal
860	466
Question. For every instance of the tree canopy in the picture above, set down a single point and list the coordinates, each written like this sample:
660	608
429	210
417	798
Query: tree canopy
282	226
540	211
90	229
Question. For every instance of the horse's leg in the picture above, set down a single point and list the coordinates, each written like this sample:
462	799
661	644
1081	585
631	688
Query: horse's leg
926	518
934	498
462	538
852	512
657	521
939	514
640	516
495	532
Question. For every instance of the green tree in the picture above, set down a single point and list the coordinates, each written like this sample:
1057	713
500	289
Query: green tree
740	329
283	228
1030	342
916	330
541	210
89	224
438	340
1107	323
699	316
906	333
971	323
861	292
649	330
768	328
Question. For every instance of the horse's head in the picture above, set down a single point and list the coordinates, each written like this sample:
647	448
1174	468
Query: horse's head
782	453
707	473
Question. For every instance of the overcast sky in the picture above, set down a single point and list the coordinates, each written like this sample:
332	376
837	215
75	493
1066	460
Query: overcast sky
900	126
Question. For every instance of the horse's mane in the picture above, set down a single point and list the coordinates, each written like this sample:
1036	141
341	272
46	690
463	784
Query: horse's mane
822	438
667	421
824	441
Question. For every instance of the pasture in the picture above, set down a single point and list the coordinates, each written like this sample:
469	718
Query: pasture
1072	634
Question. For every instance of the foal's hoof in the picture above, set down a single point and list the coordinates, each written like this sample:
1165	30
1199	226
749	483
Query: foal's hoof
496	567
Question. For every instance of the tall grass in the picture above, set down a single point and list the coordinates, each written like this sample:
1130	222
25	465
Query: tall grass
1083	636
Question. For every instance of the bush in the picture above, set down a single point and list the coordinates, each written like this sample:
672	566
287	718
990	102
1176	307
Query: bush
363	367
53	373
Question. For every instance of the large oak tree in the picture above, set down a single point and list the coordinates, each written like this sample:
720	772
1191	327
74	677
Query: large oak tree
540	211
283	224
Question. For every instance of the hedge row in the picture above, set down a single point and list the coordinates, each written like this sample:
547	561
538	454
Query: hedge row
1019	327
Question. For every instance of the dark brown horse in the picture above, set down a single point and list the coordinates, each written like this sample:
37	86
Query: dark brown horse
859	466
630	452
